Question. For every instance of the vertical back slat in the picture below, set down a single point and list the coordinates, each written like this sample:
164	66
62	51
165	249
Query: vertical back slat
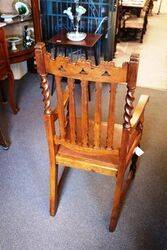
72	113
60	107
84	110
111	116
97	116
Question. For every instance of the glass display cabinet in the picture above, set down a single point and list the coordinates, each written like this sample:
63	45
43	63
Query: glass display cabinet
16	27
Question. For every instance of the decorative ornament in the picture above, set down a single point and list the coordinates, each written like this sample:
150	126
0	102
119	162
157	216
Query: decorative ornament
75	19
22	7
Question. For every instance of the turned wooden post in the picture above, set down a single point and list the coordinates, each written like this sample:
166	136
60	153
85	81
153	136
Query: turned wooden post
131	85
40	51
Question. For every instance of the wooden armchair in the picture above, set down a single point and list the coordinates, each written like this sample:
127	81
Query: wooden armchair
138	23
5	69
91	144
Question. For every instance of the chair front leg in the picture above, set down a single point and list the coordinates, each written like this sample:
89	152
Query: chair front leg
11	93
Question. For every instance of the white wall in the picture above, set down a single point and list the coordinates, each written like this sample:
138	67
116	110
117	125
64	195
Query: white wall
163	6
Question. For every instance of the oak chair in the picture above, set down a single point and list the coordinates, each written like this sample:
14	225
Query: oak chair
91	144
5	69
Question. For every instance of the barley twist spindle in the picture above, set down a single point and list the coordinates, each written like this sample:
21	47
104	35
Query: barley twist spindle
128	107
46	95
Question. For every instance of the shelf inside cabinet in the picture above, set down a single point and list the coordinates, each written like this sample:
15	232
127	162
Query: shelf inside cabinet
21	54
17	20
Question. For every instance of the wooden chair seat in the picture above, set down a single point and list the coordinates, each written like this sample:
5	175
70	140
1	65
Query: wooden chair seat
134	23
81	141
95	163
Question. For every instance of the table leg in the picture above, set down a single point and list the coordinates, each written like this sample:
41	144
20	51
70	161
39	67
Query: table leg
53	52
65	51
138	12
2	87
86	53
95	55
3	142
53	85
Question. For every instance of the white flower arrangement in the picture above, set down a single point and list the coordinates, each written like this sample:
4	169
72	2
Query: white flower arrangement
69	13
75	35
80	10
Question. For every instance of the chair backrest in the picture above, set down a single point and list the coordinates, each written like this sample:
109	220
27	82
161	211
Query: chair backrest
86	73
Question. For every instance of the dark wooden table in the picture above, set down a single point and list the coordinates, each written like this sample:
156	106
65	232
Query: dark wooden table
89	42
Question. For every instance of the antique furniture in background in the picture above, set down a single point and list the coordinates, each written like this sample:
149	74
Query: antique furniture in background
99	13
138	23
78	141
24	54
91	40
5	69
134	6
133	19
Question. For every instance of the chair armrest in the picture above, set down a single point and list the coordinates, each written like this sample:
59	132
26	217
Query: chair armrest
140	107
65	101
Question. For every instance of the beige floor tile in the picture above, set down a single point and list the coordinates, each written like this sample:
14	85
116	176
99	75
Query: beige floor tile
153	54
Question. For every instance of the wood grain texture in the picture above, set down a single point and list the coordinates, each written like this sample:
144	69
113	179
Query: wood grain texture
84	110
50	132
111	117
139	110
60	106
97	116
72	112
105	72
